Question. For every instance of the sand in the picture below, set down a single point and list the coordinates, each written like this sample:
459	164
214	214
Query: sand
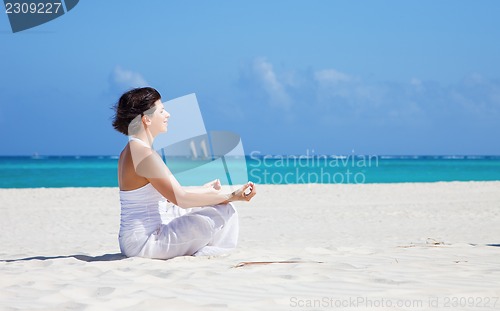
411	246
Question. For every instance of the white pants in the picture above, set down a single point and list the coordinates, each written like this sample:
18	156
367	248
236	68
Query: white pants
211	230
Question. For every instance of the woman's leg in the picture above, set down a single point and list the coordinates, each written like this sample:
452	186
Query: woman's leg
215	226
226	238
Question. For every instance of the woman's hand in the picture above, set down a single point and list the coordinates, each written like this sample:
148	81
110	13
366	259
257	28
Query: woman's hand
215	184
245	193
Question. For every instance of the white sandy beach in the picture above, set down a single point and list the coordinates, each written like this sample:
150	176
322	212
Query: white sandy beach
413	246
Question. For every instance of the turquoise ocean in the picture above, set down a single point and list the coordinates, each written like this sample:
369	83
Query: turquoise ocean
101	171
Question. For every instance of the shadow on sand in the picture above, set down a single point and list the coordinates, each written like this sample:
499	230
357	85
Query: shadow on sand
105	257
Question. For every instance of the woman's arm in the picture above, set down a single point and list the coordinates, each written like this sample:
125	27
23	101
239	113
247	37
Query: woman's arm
186	199
152	168
214	184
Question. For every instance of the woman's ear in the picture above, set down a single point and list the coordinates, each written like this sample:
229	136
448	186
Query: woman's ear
146	120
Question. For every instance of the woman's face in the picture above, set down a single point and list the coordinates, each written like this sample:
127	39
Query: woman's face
159	119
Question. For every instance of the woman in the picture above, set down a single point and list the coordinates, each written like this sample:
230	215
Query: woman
194	221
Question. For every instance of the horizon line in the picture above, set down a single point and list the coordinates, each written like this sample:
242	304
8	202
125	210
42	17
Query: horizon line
265	155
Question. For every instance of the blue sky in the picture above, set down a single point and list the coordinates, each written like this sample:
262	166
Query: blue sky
376	77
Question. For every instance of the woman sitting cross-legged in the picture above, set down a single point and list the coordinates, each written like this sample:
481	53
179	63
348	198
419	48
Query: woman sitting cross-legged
197	221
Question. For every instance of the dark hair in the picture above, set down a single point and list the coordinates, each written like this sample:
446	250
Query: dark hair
131	104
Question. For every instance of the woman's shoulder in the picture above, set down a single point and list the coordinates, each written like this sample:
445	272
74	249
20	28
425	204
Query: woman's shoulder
128	178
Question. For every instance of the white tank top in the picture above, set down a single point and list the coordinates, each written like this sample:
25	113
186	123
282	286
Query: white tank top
143	211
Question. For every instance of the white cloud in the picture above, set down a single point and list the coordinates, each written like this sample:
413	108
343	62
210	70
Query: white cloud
327	76
495	96
333	85
474	79
342	97
416	82
274	88
476	95
122	79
